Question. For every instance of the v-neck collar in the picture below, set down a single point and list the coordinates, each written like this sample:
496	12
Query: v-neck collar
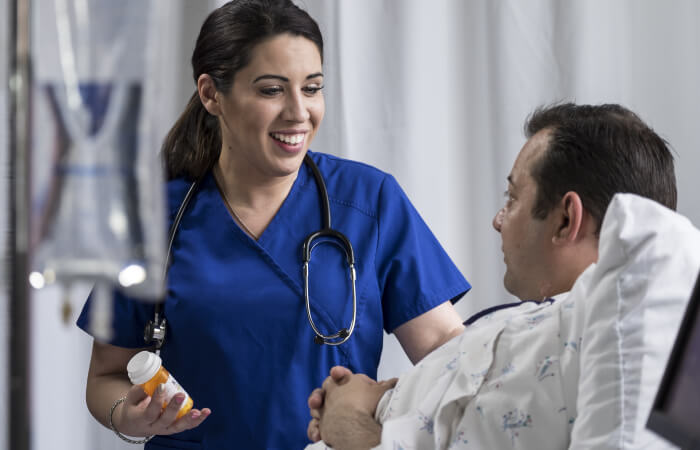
218	202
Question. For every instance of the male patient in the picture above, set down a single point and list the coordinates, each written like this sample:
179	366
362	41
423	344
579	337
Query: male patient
575	159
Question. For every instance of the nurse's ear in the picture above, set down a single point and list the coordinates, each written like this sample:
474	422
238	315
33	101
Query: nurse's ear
208	94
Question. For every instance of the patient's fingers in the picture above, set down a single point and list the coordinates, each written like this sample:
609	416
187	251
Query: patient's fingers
315	414
314	431
338	373
315	400
390	383
365	378
328	383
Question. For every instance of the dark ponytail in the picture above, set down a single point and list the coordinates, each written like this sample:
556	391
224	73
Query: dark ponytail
224	47
193	144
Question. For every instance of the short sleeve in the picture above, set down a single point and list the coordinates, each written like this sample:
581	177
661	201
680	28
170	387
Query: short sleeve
129	318
415	272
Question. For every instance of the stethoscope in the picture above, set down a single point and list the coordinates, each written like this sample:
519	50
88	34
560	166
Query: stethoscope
154	333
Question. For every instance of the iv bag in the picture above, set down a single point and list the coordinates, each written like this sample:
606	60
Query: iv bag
100	213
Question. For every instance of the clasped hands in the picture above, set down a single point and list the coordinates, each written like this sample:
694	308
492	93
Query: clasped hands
342	410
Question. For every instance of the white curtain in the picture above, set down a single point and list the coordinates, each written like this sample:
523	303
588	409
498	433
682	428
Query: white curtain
435	93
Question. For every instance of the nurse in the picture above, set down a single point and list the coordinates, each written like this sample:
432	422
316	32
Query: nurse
239	340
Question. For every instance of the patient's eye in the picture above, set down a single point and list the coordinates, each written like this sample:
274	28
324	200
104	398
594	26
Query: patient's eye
509	197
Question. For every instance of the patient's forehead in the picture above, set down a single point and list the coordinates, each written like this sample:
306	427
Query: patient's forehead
533	149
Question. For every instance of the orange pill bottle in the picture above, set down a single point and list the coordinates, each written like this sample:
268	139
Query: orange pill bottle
146	369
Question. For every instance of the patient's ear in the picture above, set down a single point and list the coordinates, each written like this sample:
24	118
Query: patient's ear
571	219
208	94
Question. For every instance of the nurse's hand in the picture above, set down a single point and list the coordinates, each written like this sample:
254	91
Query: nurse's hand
142	415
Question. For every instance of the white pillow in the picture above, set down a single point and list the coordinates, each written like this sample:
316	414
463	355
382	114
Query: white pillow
634	299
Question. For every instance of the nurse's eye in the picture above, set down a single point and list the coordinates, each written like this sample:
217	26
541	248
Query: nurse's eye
271	90
312	89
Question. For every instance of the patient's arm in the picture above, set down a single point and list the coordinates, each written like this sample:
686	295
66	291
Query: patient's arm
343	410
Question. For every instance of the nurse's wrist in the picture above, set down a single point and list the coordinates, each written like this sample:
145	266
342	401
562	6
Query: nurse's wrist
110	420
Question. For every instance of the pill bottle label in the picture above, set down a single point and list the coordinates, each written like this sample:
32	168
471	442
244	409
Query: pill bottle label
172	387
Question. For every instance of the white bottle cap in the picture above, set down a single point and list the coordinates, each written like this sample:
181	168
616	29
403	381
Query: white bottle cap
142	366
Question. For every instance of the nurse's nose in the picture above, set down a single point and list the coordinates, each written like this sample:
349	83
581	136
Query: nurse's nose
498	220
296	109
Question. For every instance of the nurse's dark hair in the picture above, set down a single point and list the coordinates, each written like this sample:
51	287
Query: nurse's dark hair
224	46
598	151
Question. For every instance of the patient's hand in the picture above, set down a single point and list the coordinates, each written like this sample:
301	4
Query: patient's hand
315	402
342	410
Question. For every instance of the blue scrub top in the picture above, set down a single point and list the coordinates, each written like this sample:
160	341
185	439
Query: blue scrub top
238	337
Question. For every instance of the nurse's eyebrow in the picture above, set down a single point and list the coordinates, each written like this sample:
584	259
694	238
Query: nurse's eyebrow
285	79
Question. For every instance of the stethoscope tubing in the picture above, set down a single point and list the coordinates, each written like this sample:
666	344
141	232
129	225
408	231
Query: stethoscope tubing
156	329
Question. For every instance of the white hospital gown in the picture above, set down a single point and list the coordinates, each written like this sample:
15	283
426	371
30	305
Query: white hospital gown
507	382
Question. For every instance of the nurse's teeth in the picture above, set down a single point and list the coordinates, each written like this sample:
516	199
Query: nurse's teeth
292	139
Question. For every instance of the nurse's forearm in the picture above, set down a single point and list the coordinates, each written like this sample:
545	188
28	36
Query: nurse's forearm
107	379
102	392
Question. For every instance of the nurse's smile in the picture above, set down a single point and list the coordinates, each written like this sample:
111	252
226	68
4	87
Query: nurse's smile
290	141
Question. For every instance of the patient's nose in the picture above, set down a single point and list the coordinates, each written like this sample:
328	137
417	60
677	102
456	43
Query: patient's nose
498	220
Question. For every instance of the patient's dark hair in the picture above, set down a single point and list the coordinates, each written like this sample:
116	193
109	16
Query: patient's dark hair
598	151
224	46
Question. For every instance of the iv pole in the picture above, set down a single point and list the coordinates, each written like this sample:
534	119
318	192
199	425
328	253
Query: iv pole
19	143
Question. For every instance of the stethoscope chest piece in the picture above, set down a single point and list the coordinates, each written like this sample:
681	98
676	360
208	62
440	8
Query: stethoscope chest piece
155	332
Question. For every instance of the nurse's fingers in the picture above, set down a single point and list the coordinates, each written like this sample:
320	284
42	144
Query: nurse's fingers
315	400
153	411
136	395
190	420
169	413
313	431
